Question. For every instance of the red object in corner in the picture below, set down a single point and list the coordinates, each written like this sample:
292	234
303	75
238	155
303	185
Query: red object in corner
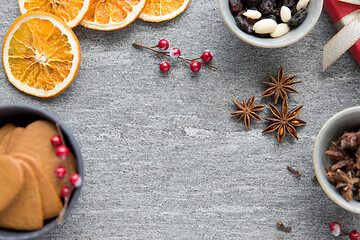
337	10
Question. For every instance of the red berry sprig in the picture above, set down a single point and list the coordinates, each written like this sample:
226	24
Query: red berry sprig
336	231
65	192
74	179
164	66
163	45
354	235
56	140
60	172
62	152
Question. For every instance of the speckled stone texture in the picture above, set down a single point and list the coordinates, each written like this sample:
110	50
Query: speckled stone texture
165	160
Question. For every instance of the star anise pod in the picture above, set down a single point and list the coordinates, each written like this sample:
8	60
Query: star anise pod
284	121
349	140
346	183
339	157
280	86
247	110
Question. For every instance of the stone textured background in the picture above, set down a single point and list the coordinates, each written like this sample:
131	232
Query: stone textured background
165	160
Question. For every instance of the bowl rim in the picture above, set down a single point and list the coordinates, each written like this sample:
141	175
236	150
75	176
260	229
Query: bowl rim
241	34
316	160
52	224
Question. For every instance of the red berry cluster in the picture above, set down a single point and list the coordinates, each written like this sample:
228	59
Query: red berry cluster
163	45
336	231
60	172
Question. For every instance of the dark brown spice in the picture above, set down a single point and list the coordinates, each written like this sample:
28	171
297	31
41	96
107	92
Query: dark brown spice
247	110
281	227
292	170
314	179
345	171
280	86
284	121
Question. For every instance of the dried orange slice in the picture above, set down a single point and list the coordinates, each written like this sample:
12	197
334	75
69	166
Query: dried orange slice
162	10
41	54
70	11
112	14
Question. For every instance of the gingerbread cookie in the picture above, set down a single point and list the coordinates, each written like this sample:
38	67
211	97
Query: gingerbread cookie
4	141
5	129
11	180
24	212
51	203
14	136
35	142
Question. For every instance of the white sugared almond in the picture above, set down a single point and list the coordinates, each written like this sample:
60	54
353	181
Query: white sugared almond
285	14
265	26
253	14
302	4
280	30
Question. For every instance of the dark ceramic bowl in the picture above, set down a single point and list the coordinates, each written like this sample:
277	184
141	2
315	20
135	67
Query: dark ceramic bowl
22	115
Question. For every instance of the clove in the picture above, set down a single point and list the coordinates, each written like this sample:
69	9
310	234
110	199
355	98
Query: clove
281	227
292	170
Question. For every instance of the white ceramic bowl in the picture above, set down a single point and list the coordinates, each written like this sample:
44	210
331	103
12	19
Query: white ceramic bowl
346	120
314	11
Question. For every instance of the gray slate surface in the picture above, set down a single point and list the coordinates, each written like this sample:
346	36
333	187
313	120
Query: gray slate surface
164	158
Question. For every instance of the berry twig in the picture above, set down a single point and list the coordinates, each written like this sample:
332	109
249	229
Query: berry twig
62	151
336	231
69	187
163	45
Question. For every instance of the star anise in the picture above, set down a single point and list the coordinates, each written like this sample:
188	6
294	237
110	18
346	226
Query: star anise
280	86
247	110
346	183
284	121
339	157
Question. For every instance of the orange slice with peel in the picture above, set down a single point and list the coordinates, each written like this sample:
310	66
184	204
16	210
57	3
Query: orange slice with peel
107	15
163	10
41	54
70	11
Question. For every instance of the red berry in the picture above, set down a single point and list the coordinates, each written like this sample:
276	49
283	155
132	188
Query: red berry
175	53
164	66
64	192
62	152
354	235
335	228
75	180
56	140
207	56
60	172
195	66
163	44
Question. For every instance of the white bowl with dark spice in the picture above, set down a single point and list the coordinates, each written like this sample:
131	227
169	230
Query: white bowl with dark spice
270	23
332	142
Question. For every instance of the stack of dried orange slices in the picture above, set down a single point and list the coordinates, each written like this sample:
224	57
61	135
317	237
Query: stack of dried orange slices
41	54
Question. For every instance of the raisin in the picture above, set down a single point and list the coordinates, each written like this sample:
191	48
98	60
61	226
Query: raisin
244	25
235	6
291	4
252	3
263	35
297	18
270	16
267	7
